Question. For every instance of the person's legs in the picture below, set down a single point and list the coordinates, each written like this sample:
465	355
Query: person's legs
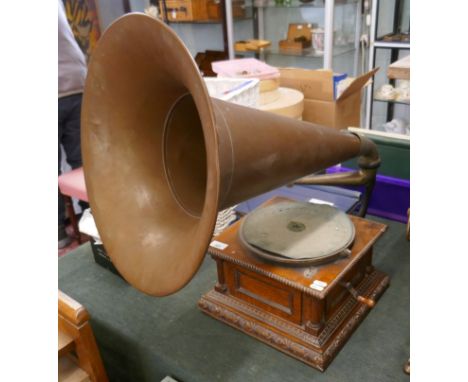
61	204
71	139
69	110
63	238
71	131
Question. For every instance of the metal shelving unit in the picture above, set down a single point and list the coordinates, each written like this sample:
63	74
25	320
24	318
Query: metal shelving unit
337	51
391	101
395	47
266	12
391	45
333	16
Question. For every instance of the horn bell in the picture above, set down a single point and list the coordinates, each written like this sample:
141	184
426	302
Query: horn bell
161	157
149	154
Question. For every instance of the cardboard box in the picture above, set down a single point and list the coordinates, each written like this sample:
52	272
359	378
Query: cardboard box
320	105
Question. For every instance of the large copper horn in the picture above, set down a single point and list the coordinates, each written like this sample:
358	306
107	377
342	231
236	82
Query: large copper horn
161	157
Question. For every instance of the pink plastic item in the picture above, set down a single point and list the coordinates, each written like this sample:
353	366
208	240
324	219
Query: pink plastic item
245	68
73	184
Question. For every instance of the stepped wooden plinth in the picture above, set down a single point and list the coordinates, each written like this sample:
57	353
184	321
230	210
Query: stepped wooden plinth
277	305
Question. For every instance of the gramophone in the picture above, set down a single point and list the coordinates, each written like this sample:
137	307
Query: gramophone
161	158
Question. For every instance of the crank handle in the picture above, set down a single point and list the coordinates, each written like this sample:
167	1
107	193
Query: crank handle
364	300
369	302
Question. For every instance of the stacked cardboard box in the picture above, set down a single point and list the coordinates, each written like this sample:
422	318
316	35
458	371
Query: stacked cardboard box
322	104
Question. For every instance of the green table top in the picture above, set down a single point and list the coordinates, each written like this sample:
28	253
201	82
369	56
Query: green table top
144	338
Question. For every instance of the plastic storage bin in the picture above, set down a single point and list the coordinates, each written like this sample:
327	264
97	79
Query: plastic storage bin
243	92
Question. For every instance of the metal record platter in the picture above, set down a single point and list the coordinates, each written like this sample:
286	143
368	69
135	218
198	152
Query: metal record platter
298	233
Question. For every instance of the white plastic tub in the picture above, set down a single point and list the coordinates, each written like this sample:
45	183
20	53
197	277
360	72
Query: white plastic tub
240	91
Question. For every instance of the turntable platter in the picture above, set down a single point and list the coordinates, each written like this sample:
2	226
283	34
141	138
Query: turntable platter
297	232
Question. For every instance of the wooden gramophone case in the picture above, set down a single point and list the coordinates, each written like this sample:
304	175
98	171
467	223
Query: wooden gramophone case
277	305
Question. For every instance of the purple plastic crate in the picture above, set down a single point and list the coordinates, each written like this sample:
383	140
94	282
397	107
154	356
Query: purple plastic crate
390	199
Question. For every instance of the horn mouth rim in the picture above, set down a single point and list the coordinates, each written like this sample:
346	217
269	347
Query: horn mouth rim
136	275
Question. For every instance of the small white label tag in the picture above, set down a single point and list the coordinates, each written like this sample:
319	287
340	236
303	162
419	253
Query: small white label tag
323	284
218	245
318	285
320	201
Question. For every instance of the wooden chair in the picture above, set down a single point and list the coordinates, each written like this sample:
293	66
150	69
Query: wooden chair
72	185
79	358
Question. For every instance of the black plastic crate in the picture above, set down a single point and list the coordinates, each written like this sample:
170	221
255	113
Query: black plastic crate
101	257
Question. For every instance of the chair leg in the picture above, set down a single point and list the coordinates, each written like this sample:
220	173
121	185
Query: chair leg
72	216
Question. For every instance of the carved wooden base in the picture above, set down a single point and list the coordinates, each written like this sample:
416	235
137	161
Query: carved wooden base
317	350
306	312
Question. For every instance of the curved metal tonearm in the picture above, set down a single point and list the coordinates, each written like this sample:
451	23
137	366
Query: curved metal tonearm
368	162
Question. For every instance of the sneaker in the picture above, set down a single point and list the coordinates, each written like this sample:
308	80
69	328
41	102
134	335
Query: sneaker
63	239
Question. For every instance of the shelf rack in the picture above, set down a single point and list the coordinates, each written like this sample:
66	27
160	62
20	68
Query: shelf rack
379	43
256	10
376	99
260	8
308	52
